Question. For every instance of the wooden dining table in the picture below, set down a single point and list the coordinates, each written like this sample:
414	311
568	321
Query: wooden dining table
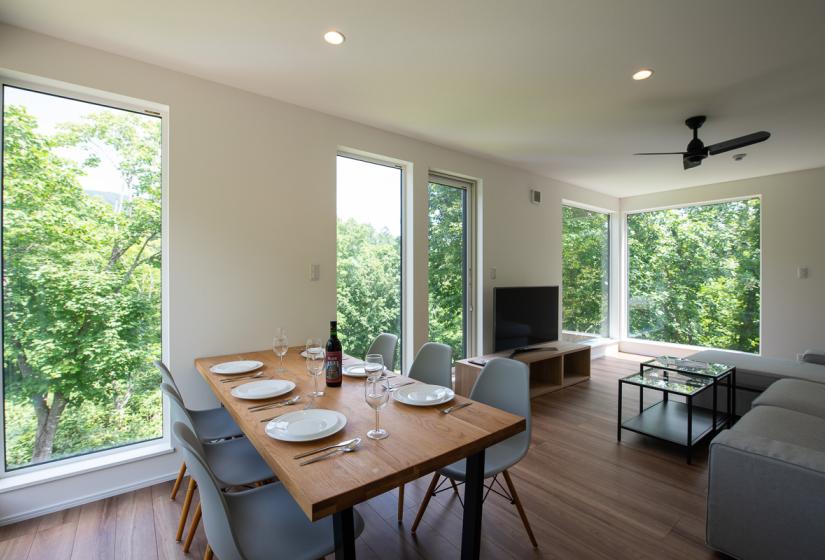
421	440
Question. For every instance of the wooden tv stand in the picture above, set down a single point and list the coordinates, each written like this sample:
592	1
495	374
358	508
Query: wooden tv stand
550	370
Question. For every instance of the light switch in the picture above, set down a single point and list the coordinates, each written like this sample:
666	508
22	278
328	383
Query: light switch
315	273
802	272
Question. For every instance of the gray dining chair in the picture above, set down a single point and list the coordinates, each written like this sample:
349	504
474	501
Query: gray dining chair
234	462
213	423
260	523
385	344
432	365
503	384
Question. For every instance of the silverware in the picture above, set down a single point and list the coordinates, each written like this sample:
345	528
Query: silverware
455	407
287	402
231	379
333	446
346	449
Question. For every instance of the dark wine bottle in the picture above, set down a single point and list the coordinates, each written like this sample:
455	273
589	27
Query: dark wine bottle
335	357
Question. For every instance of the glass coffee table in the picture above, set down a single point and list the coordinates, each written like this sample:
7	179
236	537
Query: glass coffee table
679	422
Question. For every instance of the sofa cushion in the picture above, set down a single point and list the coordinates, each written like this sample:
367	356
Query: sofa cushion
780	424
796	395
758	372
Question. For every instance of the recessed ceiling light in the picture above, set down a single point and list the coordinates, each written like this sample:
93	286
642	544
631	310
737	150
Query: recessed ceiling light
643	74
334	37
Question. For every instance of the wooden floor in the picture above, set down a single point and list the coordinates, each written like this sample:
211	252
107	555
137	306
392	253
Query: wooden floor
586	495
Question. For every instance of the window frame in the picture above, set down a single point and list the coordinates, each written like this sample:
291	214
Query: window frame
625	257
613	269
120	102
469	187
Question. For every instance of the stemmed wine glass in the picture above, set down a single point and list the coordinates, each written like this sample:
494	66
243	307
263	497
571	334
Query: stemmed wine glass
376	393
316	357
374	365
280	345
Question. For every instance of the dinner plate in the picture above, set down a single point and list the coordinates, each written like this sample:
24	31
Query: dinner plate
234	368
356	370
306	425
263	389
423	395
304	354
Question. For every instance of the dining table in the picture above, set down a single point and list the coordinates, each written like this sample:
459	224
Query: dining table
421	440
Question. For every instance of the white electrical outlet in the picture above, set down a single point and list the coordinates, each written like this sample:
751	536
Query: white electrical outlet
315	272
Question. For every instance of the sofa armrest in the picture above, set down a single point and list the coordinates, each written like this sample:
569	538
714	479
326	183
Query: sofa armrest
766	498
814	357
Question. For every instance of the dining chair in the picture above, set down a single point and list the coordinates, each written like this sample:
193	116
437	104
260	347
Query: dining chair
432	365
234	462
213	423
260	523
385	344
503	384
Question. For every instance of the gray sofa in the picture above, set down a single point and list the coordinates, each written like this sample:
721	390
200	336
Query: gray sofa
766	475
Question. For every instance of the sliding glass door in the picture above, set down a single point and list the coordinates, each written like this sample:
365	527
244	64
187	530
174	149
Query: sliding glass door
369	253
449	263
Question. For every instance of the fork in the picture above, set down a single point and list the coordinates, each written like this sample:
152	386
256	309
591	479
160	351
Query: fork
455	407
231	379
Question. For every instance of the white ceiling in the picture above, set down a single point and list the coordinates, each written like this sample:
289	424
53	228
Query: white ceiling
542	84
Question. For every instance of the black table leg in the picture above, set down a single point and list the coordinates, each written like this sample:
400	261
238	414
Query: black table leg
641	399
689	428
473	501
714	406
733	393
343	527
619	424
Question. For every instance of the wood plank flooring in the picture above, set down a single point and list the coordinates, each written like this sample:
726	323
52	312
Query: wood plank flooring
586	495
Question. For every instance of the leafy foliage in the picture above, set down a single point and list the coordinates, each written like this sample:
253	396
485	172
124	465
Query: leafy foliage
81	288
585	271
693	275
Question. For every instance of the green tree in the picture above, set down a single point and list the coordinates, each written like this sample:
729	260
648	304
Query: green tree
81	277
585	270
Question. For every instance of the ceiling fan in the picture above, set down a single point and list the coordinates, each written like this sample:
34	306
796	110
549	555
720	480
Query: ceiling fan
697	151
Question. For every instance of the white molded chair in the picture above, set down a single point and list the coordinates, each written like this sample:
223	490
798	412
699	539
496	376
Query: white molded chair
385	344
261	523
504	384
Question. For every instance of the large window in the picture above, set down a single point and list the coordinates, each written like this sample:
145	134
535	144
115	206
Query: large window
693	275
369	253
449	285
81	276
585	271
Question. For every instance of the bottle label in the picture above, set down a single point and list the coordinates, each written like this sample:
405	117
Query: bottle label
333	367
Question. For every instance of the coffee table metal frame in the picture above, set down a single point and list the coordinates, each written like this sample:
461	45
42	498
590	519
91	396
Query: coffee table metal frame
660	419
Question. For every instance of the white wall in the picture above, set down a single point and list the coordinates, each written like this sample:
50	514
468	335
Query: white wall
793	234
252	205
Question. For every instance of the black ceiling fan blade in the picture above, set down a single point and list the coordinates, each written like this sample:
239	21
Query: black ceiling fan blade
660	154
740	142
691	163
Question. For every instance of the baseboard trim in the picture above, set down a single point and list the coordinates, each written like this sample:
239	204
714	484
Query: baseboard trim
88	498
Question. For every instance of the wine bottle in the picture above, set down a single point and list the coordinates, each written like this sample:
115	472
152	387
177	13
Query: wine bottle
334	357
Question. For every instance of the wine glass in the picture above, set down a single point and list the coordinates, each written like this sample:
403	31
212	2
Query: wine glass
316	357
280	345
374	365
376	393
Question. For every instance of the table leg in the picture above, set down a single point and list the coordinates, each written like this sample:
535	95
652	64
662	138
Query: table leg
343	528
641	399
714	406
733	394
689	428
619	423
473	502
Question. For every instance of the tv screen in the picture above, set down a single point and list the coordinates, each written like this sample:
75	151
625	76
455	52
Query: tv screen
525	316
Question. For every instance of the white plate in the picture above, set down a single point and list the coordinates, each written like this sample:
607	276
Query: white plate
304	354
355	370
306	425
424	395
234	368
263	389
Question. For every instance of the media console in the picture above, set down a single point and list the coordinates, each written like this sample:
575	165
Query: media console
556	366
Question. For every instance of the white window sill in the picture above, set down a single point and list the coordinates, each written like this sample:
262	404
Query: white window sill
61	470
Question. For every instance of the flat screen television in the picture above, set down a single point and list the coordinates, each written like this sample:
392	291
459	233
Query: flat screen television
525	316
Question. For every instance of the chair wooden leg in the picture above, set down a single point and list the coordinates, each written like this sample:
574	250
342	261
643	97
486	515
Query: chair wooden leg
184	513
401	503
521	511
178	480
455	488
426	502
193	526
207	554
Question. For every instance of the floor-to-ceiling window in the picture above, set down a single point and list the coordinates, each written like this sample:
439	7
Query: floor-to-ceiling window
369	255
81	267
585	271
693	275
449	271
